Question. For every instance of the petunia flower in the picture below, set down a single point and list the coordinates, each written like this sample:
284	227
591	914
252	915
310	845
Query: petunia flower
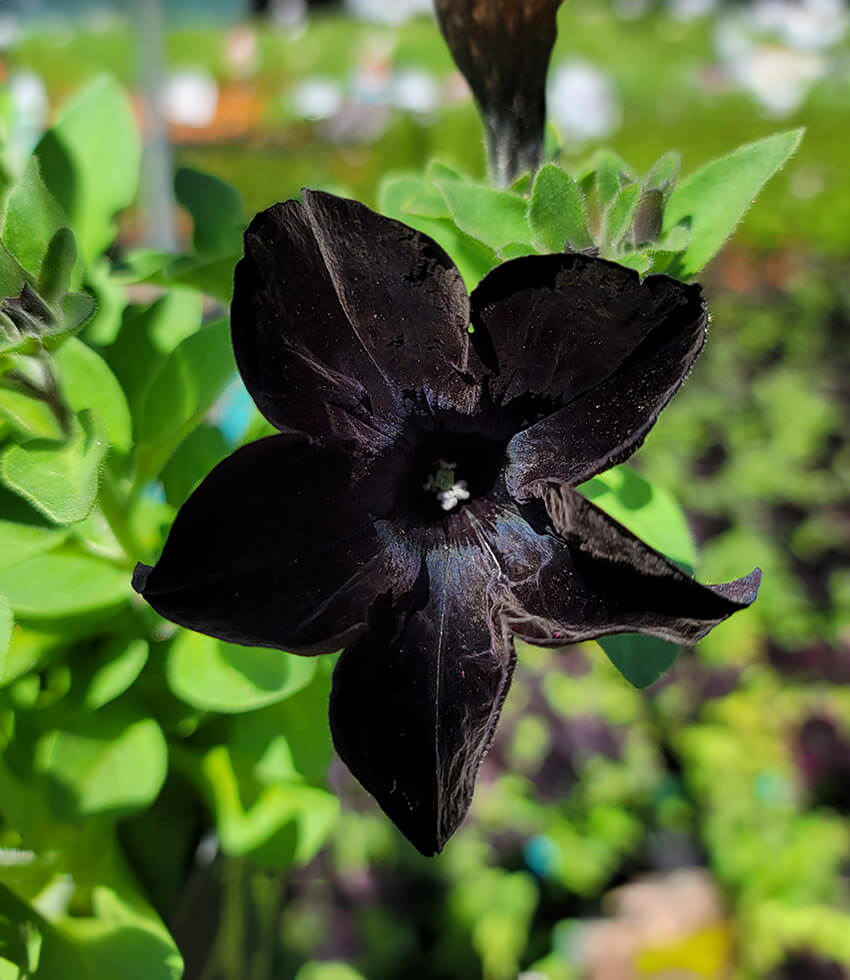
502	48
417	509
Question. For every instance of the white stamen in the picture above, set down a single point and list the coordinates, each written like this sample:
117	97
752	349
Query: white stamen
451	498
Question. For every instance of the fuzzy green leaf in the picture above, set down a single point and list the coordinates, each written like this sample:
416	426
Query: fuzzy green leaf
491	216
88	383
57	266
713	200
33	216
90	161
58	479
556	212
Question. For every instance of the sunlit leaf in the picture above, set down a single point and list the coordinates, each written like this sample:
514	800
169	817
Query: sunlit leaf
113	762
183	391
218	676
556	211
59	479
58	585
110	671
714	199
88	383
90	161
491	216
216	210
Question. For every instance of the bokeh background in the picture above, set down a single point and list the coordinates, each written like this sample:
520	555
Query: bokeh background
699	828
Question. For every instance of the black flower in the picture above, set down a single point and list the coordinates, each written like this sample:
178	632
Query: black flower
502	47
417	509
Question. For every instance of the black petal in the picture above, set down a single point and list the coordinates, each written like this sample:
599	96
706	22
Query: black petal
276	549
416	700
598	579
337	311
604	352
502	47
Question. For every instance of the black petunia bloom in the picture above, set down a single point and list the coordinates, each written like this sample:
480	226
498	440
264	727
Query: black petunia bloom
417	509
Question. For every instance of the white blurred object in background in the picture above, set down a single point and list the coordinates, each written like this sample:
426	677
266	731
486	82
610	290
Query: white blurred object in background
9	30
778	78
414	90
582	101
389	11
317	98
691	9
777	49
30	110
190	98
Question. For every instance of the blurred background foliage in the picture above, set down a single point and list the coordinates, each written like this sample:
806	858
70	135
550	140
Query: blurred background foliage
160	790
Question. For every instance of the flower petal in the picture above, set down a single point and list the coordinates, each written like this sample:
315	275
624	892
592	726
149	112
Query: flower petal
603	351
502	47
274	549
599	579
416	701
338	311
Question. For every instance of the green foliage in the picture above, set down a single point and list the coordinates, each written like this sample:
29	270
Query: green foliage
556	213
217	676
59	479
712	201
89	160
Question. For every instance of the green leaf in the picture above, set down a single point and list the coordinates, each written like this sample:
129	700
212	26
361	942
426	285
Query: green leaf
611	171
112	670
283	740
640	659
88	384
148	333
6	623
12	276
218	676
211	276
328	970
59	585
556	211
714	199
664	172
648	511
112	762
639	261
110	302
491	216
24	533
57	266
199	452
33	216
216	210
59	479
90	161
183	391
29	649
473	259
30	417
619	216
277	825
20	937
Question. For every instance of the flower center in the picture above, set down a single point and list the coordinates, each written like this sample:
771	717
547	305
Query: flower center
449	491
